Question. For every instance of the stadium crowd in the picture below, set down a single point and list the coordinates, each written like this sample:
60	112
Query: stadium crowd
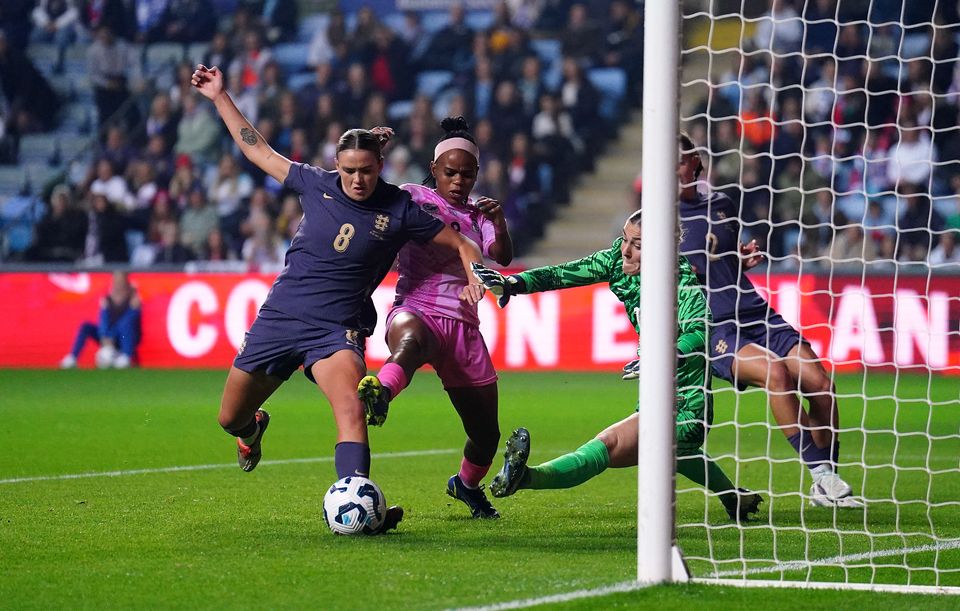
165	185
836	130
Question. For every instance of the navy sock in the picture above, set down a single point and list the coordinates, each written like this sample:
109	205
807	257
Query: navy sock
352	458
810	454
247	431
835	454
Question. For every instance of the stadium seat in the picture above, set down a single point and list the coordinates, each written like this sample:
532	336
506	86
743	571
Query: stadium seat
434	21
399	110
612	84
18	215
432	82
196	51
160	55
479	20
551	56
296	82
291	56
310	24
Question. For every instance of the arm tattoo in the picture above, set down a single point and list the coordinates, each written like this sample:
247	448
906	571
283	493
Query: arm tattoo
248	136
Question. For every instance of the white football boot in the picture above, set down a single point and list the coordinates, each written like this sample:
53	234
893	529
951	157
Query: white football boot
830	491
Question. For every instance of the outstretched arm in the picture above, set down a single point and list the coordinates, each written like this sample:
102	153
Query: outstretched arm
469	255
209	82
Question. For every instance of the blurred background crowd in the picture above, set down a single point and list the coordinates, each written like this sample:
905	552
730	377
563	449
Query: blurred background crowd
835	126
157	181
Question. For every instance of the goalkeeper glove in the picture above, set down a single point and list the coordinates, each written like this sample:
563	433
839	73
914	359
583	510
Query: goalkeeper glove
631	371
503	287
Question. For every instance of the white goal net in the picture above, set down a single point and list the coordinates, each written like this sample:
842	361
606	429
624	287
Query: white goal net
833	128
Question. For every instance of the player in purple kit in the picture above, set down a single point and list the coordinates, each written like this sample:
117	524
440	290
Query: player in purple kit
428	325
750	343
319	311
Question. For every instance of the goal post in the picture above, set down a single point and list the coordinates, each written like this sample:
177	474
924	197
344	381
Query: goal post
832	129
658	294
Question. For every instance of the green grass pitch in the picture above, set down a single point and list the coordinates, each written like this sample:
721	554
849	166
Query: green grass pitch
211	536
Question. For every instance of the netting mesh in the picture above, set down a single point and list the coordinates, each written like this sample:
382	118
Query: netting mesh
832	129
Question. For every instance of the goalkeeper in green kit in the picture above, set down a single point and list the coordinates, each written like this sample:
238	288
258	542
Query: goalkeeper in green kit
616	446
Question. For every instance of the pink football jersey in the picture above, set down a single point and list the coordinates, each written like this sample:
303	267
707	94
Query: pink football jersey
432	277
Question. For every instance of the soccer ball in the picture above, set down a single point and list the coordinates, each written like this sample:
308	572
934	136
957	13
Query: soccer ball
354	505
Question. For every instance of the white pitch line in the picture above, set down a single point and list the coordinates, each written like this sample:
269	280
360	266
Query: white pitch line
287	461
799	565
630	586
626	586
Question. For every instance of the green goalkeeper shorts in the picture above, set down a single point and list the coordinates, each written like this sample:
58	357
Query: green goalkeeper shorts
691	423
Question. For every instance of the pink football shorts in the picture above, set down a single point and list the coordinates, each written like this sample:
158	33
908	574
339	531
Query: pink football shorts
462	358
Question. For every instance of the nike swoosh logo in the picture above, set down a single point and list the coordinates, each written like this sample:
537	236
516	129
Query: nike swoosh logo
325	196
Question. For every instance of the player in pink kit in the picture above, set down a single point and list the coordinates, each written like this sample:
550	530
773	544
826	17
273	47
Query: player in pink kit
428	324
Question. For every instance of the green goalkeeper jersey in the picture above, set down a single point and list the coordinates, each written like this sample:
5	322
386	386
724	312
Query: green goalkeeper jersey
693	374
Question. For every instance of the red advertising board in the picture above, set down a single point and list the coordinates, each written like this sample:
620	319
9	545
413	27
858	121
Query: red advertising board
198	320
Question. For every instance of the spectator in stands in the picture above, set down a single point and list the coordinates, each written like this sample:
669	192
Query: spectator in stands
364	31
160	159
450	45
106	240
300	150
143	185
323	116
117	332
109	66
506	113
387	63
161	121
916	221
530	86
263	250
524	13
188	21
820	26
118	15
850	249
248	65
59	236
33	104
171	251
184	178
197	221
56	21
323	83
288	221
149	18
623	43
163	210
780	29
581	38
581	99
397	168
216	248
415	37
947	252
375	110
198	133
219	53
321	47
912	158
227	188
278	18
261	201
117	149
558	144
479	92
110	184
354	96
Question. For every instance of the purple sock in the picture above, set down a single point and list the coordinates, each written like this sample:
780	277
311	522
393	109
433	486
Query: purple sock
810	454
352	458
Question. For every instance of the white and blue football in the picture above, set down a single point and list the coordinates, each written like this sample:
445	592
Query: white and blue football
354	505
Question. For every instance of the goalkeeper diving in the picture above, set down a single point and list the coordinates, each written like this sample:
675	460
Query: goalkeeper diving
616	446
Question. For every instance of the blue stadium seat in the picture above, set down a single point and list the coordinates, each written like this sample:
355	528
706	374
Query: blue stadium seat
161	55
310	24
296	82
291	56
549	49
434	20
479	20
612	84
432	82
399	110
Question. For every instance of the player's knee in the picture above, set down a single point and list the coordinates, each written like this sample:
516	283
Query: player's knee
609	439
779	379
409	345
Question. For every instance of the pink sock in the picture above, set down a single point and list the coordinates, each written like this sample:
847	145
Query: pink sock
471	474
393	378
